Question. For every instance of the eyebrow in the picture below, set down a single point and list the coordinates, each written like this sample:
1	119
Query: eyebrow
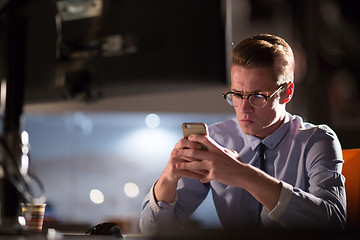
256	91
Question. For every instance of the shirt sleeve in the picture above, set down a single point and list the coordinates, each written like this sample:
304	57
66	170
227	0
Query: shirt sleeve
189	195
283	202
154	214
322	200
155	205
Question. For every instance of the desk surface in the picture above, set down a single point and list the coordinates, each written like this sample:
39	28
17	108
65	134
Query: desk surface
197	234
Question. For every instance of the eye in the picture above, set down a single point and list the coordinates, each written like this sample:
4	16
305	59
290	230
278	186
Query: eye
257	100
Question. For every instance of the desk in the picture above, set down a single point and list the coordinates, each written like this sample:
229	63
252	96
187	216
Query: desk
202	234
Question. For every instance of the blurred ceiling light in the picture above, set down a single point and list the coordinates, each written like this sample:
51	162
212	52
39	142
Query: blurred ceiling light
80	122
131	189
24	164
149	147
22	220
152	120
24	138
25	149
96	196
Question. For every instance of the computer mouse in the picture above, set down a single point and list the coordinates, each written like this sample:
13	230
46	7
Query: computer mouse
107	228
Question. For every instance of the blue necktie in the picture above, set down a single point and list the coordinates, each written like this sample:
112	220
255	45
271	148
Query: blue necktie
255	207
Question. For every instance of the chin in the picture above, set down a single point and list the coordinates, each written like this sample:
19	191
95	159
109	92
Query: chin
249	131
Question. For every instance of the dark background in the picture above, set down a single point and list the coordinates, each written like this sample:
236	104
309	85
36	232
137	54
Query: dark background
85	109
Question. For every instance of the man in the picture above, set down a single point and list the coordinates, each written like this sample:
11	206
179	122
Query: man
294	182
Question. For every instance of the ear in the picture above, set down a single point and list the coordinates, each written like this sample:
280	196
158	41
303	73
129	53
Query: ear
289	92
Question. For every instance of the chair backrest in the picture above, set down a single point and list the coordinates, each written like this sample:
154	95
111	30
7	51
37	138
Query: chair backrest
351	171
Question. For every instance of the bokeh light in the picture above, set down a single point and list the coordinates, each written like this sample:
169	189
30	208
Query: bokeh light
96	196
152	120
131	189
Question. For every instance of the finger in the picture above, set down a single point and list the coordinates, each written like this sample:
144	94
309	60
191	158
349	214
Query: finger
205	179
192	166
205	141
177	158
213	146
193	170
191	174
181	166
181	143
185	155
189	159
184	143
192	155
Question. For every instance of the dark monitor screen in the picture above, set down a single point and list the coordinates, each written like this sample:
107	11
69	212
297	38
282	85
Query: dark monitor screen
115	47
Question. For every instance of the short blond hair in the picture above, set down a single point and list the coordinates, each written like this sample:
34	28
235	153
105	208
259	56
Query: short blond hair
266	50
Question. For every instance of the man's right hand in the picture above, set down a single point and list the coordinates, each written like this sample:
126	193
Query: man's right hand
165	187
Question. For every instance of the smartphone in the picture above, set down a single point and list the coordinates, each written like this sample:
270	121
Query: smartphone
194	128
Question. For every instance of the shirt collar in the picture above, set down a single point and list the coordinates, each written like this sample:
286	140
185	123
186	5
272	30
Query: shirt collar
273	139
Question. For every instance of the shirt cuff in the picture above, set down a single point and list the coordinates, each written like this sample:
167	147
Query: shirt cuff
283	202
155	205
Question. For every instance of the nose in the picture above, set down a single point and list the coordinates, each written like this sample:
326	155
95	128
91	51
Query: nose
245	106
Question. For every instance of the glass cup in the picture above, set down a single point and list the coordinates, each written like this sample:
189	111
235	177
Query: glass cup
34	216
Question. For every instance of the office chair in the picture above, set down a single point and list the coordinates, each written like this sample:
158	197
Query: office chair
351	171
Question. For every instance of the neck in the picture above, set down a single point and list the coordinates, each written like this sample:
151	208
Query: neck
273	127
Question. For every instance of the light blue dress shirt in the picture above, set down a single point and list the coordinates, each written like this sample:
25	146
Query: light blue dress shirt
305	157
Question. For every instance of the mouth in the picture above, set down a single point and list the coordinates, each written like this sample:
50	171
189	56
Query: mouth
246	120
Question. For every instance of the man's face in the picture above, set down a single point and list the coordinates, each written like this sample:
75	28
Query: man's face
259	122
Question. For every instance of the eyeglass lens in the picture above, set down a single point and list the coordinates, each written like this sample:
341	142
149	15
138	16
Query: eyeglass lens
256	100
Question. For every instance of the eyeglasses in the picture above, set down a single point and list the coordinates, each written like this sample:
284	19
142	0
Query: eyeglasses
257	99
